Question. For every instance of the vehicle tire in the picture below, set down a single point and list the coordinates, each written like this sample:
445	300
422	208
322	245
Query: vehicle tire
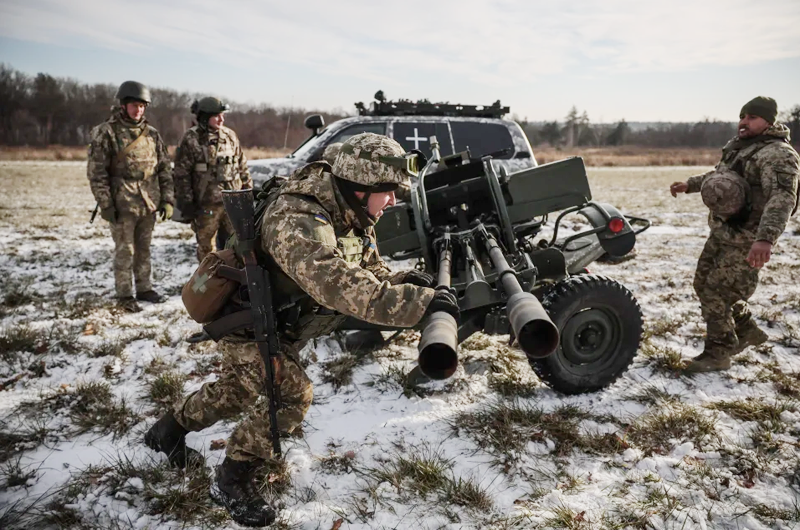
600	324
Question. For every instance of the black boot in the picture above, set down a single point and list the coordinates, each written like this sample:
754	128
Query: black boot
128	303
169	436
150	296
235	488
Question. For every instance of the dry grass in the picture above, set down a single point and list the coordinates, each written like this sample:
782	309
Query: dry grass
631	155
70	153
624	156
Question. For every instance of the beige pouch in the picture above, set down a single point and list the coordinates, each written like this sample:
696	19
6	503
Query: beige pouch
206	292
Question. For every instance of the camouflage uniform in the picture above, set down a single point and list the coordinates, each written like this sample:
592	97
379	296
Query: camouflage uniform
207	162
724	281
135	186
321	256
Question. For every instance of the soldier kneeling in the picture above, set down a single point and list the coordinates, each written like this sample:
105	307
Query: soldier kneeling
318	242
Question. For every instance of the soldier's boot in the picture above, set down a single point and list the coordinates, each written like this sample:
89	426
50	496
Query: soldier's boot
150	296
235	488
200	336
713	359
749	335
128	303
169	437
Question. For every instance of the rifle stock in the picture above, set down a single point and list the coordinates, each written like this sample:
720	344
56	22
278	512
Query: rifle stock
241	212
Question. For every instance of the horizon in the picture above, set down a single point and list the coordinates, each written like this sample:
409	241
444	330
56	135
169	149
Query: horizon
616	60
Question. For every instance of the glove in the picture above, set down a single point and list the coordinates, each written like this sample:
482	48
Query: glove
188	210
109	214
445	301
419	278
166	211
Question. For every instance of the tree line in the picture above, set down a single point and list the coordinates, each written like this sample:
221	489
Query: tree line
577	130
43	110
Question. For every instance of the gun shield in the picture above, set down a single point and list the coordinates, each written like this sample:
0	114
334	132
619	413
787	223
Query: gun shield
437	346
536	333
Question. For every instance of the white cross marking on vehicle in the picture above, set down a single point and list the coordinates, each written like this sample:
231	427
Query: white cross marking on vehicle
416	138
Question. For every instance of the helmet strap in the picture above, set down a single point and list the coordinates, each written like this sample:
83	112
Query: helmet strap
359	206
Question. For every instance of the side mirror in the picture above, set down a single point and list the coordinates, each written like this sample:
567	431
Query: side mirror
315	123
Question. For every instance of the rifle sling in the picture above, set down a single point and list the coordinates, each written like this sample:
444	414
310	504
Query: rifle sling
229	324
128	148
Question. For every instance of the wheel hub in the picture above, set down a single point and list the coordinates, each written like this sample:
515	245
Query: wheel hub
588	336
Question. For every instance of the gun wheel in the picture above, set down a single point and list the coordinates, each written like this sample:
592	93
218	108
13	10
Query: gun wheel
600	324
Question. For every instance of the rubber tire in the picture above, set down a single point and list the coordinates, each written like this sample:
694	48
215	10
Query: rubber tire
614	303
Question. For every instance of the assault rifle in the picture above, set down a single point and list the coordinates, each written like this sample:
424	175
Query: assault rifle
240	210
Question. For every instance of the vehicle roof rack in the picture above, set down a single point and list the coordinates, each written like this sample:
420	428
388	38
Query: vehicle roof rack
423	107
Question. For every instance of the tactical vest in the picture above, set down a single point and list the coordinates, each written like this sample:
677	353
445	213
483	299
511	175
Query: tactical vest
219	170
136	159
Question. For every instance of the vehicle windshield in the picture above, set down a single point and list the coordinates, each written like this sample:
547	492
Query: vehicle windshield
306	147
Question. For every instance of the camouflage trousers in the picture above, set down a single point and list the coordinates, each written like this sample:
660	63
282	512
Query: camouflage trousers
132	235
240	388
724	281
206	225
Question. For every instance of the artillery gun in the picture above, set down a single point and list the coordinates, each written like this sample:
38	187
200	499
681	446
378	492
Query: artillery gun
475	230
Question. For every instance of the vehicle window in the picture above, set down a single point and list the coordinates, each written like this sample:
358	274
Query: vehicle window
416	135
344	134
481	138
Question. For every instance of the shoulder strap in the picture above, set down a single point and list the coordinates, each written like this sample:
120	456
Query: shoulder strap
740	162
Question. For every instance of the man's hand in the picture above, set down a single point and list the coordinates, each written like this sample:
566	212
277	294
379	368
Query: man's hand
678	187
759	254
418	278
445	301
109	214
166	211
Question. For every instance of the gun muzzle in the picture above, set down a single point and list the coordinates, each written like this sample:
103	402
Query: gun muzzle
437	346
535	332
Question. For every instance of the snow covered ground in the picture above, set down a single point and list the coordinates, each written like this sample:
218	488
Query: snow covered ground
490	448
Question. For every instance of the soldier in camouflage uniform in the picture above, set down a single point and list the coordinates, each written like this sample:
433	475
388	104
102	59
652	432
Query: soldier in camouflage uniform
318	241
129	173
751	194
209	159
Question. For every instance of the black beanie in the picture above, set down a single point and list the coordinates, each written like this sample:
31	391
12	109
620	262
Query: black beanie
762	107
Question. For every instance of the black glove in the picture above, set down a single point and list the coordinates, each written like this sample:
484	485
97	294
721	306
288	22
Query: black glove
109	214
445	301
419	278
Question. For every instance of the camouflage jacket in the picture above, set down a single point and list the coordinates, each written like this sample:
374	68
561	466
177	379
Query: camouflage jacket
208	162
315	239
772	167
137	183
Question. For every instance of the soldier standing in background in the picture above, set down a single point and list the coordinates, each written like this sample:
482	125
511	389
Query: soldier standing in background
129	173
751	194
318	243
209	159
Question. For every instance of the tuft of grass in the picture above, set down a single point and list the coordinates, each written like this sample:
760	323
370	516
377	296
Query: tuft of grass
274	478
515	386
166	388
650	394
18	294
109	348
565	517
663	358
13	473
662	326
654	431
425	472
339	371
750	409
771	515
338	464
22	437
16	338
95	407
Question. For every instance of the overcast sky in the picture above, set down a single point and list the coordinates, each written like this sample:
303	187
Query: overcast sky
681	60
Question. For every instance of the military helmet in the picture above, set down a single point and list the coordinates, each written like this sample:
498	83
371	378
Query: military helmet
133	90
210	105
330	153
372	160
725	192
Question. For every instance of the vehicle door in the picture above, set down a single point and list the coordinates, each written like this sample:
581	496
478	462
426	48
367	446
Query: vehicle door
413	134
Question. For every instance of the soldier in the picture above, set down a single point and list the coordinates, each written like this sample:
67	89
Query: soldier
209	160
751	194
129	173
318	241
